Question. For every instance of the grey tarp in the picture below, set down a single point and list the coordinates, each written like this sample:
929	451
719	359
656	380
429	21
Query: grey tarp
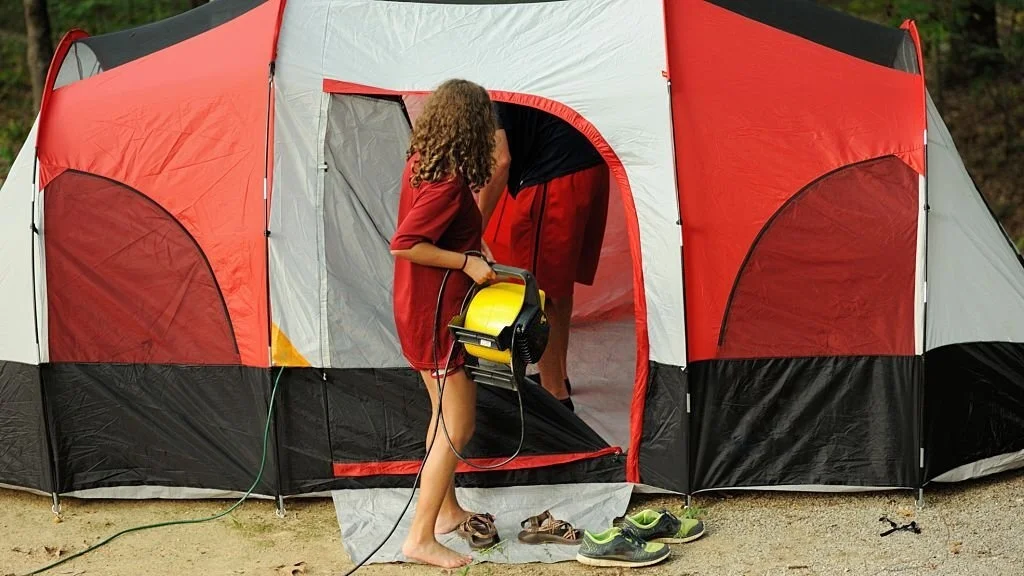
366	517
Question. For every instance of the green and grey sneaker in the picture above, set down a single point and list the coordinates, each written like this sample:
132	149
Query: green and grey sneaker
620	549
661	526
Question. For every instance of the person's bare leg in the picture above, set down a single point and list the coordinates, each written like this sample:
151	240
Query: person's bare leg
552	364
564	350
439	470
452	513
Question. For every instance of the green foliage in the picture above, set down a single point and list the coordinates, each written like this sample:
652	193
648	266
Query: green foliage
94	16
104	16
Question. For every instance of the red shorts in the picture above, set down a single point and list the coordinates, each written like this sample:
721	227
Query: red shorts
555	229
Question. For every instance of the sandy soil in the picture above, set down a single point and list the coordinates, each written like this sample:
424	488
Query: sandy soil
975	529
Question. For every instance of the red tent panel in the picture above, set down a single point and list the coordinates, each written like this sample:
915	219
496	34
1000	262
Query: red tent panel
187	127
753	127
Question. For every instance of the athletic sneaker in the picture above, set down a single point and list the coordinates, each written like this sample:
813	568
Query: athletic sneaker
621	549
661	526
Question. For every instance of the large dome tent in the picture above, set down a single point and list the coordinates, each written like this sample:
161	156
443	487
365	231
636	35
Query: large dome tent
802	288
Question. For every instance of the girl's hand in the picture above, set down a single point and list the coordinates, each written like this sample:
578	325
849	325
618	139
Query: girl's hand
479	270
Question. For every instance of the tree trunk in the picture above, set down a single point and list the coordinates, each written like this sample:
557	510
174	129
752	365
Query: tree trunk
40	46
974	41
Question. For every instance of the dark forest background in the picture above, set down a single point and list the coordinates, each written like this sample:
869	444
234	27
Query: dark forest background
974	61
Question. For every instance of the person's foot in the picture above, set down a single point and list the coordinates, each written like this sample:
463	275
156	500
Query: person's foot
449	521
433	553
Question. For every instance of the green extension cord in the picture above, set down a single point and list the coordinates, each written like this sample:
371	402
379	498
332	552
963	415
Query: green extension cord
259	476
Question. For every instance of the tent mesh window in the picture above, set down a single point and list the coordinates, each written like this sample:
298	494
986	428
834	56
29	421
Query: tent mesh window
819	280
126	282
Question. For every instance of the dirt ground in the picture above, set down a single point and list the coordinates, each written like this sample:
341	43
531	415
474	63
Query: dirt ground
973	529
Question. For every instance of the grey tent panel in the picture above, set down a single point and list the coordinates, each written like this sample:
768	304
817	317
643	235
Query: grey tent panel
365	154
975	277
79	64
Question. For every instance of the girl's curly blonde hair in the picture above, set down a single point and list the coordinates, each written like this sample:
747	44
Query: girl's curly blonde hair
454	136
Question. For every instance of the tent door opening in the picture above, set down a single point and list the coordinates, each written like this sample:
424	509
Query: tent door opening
364	151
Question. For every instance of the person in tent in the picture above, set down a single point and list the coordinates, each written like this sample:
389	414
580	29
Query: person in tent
552	220
439	226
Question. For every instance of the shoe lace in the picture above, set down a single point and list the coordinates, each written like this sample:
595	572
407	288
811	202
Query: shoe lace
633	538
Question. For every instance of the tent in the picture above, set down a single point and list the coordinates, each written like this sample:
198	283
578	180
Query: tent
802	288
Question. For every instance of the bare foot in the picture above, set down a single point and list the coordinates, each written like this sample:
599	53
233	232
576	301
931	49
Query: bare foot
435	554
450	520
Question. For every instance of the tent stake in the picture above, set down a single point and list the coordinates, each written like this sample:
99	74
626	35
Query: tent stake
280	506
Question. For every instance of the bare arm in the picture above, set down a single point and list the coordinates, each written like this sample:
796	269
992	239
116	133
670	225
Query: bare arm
491	192
426	254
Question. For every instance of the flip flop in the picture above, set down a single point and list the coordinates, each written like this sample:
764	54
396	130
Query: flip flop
478	531
544	528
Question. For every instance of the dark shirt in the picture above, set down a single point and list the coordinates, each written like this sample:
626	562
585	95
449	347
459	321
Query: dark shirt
542	146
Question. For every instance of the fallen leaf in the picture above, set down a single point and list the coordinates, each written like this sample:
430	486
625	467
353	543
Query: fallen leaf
54	551
297	568
906	511
955	547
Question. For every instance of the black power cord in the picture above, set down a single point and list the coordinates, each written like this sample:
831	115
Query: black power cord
441	378
519	394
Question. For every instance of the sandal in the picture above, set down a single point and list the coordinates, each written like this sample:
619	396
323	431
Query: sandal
544	528
478	531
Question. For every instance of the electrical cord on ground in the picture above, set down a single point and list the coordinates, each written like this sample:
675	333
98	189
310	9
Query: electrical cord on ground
441	378
239	502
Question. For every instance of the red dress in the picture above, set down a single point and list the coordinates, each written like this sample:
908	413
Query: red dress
445	215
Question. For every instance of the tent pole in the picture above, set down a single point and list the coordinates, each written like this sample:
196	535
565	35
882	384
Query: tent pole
280	508
51	453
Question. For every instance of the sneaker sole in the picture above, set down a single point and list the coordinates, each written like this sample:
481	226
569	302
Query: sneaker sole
680	540
610	563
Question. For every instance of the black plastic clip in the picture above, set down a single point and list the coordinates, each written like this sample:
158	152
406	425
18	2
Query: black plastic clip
894	527
33	228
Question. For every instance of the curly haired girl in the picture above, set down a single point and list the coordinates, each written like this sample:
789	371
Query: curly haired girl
450	157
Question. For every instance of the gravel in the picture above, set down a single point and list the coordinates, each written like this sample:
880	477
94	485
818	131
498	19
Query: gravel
970	529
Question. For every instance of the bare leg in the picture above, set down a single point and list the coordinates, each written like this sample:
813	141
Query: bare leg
552	363
452	514
439	470
564	350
